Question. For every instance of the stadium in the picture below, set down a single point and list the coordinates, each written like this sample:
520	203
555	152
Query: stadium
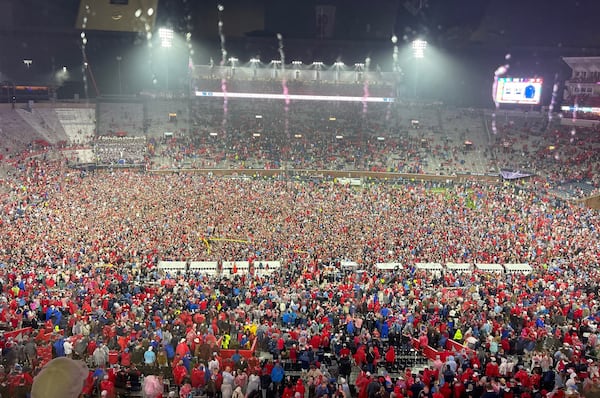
344	209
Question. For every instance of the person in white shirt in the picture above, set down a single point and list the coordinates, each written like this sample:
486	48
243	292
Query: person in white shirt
68	347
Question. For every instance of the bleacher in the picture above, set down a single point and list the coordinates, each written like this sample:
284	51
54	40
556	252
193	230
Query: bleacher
15	133
78	123
167	117
49	117
119	118
43	131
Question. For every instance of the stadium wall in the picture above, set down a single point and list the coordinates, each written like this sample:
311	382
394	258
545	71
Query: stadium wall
337	174
592	202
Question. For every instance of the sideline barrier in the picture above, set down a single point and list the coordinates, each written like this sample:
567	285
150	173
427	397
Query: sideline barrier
262	268
435	268
497	268
228	353
459	267
389	266
518	268
231	268
204	267
172	266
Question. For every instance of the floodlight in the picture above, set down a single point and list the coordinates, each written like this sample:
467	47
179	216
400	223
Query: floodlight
166	37
419	47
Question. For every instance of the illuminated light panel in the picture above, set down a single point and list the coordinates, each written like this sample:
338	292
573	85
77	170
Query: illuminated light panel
584	109
419	47
511	90
298	97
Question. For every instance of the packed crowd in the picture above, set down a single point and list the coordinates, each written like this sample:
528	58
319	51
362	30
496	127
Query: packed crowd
120	150
382	137
560	154
78	262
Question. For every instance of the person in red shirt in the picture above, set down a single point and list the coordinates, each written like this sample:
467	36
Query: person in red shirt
108	386
179	373
361	383
19	382
315	341
288	391
293	354
445	390
492	369
360	357
438	394
390	357
88	385
345	351
126	358
523	377
300	389
198	374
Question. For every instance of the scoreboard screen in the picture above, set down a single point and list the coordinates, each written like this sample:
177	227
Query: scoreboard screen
511	90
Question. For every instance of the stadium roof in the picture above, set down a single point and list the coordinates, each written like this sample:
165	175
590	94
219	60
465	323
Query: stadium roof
589	63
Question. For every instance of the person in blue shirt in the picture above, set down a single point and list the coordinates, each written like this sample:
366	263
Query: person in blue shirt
236	357
170	351
59	348
150	357
277	375
350	328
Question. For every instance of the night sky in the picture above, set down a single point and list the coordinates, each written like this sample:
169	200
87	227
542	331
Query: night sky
476	34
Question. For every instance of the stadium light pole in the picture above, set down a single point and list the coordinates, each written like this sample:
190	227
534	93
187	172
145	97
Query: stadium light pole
166	41
418	47
232	61
119	59
338	65
254	62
